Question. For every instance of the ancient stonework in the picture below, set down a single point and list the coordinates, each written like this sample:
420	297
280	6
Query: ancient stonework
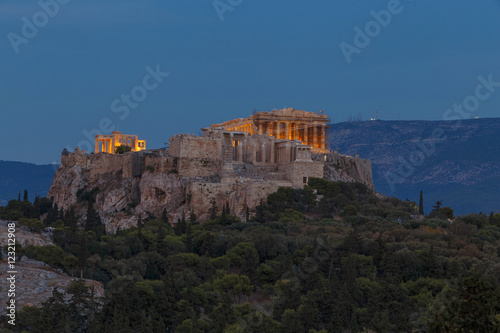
222	165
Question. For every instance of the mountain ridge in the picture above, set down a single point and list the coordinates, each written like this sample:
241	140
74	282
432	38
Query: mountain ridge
448	160
15	177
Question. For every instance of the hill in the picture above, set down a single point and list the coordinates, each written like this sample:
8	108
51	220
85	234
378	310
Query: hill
18	176
458	163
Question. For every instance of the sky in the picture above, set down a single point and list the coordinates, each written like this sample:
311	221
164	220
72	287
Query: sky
70	69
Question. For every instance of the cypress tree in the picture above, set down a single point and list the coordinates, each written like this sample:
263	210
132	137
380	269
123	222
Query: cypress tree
213	210
421	204
192	217
189	238
82	254
183	222
223	219
94	222
164	216
25	198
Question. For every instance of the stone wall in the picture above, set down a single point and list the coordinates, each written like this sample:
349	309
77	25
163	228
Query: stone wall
99	163
195	147
298	173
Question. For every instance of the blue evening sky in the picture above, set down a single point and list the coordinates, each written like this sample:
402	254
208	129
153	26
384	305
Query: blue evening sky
263	55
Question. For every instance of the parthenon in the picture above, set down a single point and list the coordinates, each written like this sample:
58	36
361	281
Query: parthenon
108	143
307	127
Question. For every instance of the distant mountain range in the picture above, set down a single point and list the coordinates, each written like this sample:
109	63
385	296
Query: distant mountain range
15	177
456	162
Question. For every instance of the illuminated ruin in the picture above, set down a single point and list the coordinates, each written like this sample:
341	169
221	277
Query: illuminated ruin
109	143
290	124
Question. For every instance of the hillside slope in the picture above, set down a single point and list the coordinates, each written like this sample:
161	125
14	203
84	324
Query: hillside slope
458	163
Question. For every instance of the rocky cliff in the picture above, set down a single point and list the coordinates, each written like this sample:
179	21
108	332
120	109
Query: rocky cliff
131	186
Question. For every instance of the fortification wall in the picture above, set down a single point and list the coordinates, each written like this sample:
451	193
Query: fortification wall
195	147
298	173
99	163
198	167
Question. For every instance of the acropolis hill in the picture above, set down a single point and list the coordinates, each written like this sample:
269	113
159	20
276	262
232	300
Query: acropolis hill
240	161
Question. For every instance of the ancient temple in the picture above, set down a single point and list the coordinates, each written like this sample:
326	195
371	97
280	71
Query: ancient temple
108	143
290	124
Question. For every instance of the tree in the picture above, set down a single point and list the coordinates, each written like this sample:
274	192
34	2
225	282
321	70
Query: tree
421	204
245	256
260	215
122	149
223	218
350	210
438	205
164	216
25	195
192	217
213	210
94	221
473	307
82	254
205	244
448	212
235	285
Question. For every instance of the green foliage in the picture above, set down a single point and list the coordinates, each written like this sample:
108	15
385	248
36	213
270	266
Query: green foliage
32	224
303	267
122	149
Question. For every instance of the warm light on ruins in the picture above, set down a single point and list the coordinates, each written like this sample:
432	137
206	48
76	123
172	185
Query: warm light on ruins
108	143
286	124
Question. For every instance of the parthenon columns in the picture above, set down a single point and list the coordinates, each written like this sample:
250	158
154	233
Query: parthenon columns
313	134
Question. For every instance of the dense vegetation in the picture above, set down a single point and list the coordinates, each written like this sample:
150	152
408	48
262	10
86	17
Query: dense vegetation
332	257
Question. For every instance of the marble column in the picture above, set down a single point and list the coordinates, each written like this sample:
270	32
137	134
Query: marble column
323	137
271	158
240	152
315	137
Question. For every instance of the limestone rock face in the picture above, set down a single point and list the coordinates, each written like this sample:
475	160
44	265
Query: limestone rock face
347	169
24	237
133	186
67	182
239	195
160	191
35	282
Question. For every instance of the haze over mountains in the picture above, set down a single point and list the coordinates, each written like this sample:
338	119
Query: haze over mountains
15	177
457	162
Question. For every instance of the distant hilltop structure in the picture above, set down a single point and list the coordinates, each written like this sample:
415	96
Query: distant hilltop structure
109	143
238	162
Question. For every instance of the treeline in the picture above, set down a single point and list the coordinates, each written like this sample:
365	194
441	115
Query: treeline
332	257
